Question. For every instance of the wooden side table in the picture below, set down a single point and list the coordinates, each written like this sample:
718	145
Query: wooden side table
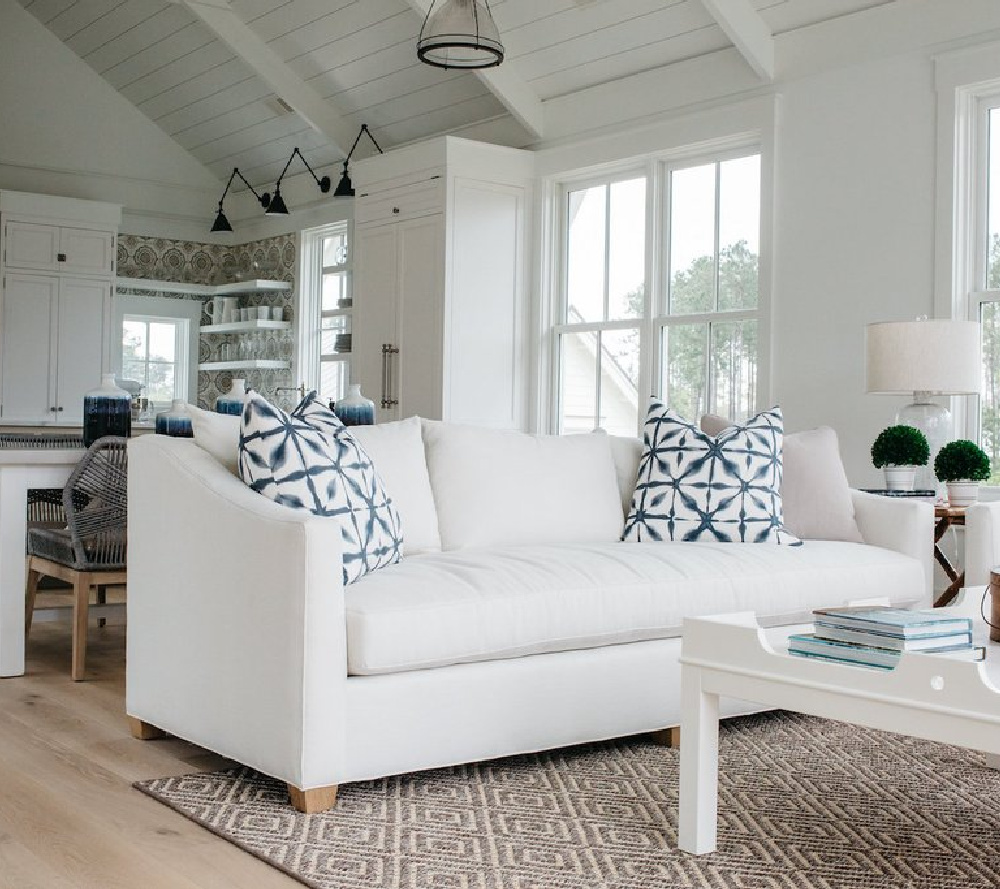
948	517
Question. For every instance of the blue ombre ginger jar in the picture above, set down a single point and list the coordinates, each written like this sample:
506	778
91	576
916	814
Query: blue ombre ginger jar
107	410
231	402
354	409
175	422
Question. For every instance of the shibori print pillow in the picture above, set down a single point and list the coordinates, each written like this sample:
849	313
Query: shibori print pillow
697	487
309	460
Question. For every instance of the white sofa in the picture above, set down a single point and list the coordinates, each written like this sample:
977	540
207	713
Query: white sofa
515	622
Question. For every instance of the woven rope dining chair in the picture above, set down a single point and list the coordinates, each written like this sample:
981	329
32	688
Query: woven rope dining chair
89	552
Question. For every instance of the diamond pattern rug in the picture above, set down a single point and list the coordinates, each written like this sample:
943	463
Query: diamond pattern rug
803	802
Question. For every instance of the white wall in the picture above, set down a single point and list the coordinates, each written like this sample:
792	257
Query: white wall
854	239
854	132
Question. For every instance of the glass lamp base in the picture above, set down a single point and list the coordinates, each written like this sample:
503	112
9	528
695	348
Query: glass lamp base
934	420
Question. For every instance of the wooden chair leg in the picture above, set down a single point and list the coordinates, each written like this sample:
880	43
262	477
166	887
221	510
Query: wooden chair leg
81	612
311	802
30	592
667	737
102	599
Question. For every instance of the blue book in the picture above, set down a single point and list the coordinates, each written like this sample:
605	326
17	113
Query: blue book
810	645
885	640
899	622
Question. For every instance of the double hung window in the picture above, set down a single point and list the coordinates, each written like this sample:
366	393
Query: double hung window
659	293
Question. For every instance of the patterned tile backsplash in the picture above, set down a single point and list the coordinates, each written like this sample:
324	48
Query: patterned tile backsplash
189	262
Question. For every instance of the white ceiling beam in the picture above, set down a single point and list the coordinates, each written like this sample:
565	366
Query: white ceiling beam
749	33
515	94
316	111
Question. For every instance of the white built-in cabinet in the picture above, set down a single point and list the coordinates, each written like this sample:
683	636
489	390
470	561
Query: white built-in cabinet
441	232
58	257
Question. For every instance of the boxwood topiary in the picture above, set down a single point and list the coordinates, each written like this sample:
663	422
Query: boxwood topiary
900	446
962	460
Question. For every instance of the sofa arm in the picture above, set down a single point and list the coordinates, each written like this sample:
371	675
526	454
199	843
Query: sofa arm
982	542
236	628
901	524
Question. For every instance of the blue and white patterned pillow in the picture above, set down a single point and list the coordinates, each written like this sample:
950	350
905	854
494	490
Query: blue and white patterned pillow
309	460
693	486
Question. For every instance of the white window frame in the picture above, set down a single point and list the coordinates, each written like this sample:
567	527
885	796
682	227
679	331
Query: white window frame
656	168
161	308
309	356
968	86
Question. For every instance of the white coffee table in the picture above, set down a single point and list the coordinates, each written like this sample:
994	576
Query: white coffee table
925	696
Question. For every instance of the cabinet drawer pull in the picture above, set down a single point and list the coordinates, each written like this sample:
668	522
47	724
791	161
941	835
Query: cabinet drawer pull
395	211
59	409
52	410
61	257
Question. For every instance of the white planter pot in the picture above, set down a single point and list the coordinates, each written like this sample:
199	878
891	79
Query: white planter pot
899	478
962	493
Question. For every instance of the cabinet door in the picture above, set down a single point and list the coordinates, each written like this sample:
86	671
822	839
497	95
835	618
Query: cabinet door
374	315
87	251
420	273
30	246
79	344
27	390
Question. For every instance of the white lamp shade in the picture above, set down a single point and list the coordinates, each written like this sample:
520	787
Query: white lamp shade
938	357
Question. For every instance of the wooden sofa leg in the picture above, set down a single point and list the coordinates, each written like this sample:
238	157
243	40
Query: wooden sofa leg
311	802
667	737
143	731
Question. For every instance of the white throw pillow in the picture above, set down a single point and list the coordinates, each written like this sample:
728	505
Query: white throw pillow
815	492
309	460
397	450
497	488
219	434
627	452
696	487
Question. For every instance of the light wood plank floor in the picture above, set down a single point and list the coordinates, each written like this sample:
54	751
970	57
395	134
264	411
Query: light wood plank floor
69	818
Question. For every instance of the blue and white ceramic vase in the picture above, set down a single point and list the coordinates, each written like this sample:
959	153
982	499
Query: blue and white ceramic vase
232	401
106	411
175	422
355	409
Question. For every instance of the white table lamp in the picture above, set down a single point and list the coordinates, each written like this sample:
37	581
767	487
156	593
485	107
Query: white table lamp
927	358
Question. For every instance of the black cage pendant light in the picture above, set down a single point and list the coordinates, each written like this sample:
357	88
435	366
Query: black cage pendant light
460	34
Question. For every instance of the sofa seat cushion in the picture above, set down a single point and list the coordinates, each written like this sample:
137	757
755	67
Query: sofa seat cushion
477	605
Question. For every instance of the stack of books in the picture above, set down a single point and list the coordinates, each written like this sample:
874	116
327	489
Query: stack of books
876	636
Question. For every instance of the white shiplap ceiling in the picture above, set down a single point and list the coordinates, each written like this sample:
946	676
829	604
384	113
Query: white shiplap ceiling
359	57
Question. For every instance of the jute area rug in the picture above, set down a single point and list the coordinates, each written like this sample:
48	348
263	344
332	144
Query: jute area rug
803	803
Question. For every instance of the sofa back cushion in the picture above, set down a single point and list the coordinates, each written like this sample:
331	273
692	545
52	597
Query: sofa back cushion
397	450
496	488
815	493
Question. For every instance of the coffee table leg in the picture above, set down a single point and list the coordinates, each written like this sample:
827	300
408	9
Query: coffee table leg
699	778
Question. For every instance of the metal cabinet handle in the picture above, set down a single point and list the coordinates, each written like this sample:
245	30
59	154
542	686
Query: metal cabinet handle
59	409
60	257
52	410
388	350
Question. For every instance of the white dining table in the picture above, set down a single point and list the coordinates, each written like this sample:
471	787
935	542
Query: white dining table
20	471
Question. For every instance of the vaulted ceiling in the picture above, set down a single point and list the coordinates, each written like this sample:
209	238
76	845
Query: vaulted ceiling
209	72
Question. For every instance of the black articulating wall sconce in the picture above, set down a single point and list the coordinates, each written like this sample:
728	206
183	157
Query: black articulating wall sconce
344	188
277	207
221	224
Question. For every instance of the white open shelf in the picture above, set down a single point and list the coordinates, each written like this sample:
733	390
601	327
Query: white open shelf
253	364
240	326
255	286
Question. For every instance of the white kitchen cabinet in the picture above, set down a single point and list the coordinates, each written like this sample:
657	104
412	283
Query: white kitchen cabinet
31	245
441	234
52	346
57	269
